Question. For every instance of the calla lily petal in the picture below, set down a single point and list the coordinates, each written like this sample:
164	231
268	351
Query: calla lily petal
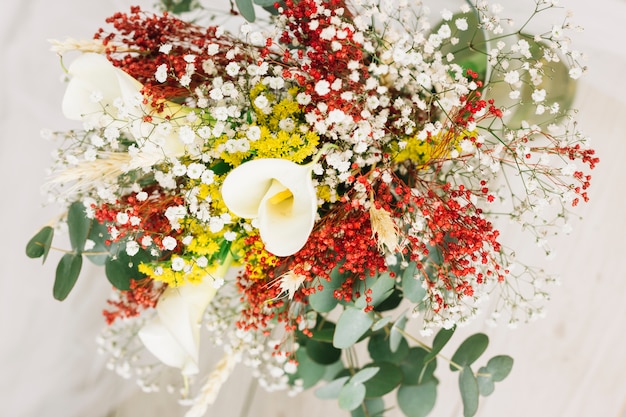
173	336
92	73
278	192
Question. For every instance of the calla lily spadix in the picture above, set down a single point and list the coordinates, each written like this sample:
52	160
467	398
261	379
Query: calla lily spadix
280	194
173	336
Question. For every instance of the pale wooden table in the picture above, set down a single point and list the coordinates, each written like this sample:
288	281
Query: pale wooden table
570	364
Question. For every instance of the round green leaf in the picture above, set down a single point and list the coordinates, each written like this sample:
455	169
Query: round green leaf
412	285
381	289
417	400
381	323
78	226
324	301
471	50
121	269
364	374
375	408
395	336
442	337
351	395
352	324
470	350
98	233
380	351
388	377
309	371
415	370
556	80
322	352
39	245
499	367
391	302
469	391
485	383
67	273
331	390
246	8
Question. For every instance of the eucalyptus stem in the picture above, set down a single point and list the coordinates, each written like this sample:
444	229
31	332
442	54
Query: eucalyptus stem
428	348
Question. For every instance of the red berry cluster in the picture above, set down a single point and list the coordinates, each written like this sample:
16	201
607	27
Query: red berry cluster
143	294
150	212
135	43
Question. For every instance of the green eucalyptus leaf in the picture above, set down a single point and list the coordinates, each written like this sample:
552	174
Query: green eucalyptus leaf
486	385
78	226
417	400
322	352
246	8
178	6
388	377
99	234
499	367
122	268
470	51
364	374
265	3
375	408
442	337
39	245
352	324
381	289
392	301
395	335
380	351
470	350
556	80
324	301
469	391
331	390
412	285
333	370
381	323
309	371
351	395
67	273
415	369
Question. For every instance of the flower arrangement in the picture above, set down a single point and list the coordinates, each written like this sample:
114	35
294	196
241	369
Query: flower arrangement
294	192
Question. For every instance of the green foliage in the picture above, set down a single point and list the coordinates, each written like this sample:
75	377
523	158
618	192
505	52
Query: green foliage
78	226
469	391
380	350
178	6
67	273
122	268
416	369
246	8
388	377
417	400
39	245
442	337
351	326
469	351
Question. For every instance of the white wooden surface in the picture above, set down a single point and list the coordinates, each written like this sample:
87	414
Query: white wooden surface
570	364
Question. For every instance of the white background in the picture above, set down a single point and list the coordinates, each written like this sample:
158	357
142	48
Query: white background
569	364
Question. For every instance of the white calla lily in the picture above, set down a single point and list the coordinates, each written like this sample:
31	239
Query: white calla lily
103	95
281	195
94	87
173	336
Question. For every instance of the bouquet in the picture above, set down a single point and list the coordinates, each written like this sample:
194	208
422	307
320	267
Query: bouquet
300	191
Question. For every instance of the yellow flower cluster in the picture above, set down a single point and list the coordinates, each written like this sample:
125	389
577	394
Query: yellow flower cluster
190	273
281	133
257	259
422	152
